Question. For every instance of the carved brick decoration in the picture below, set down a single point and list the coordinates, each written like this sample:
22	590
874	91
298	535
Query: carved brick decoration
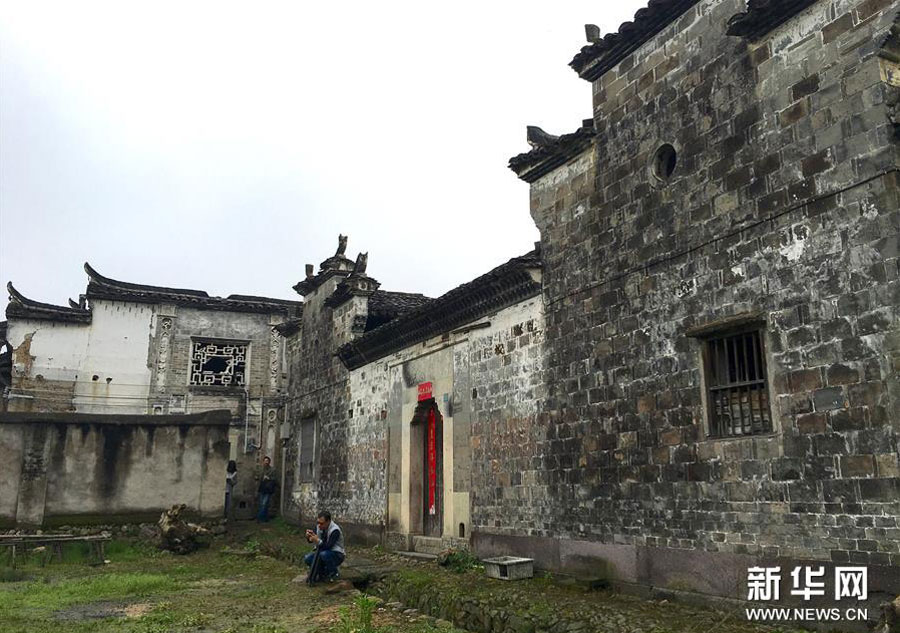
274	358
162	353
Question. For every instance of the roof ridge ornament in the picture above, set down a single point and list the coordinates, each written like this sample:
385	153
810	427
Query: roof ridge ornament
362	261
22	306
549	152
537	137
761	16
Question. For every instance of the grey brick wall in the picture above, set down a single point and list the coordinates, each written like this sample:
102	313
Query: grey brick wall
784	202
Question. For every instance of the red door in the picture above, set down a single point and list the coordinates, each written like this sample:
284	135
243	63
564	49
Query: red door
433	473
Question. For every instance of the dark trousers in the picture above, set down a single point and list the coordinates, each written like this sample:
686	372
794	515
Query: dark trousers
263	514
328	560
229	504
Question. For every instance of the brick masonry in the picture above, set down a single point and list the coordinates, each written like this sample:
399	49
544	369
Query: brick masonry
784	203
580	432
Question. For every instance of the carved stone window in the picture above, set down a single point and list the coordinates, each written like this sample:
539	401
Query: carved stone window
737	391
216	363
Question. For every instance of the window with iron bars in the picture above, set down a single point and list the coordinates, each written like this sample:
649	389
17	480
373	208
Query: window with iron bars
307	449
737	391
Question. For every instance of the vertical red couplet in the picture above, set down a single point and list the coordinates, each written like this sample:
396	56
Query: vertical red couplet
432	463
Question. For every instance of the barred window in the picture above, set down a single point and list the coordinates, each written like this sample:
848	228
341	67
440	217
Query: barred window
307	448
218	363
736	386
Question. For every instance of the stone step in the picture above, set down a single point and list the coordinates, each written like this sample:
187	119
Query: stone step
417	555
427	544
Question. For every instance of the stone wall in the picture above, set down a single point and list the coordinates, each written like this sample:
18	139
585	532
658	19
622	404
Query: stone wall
318	387
507	387
482	376
783	206
368	448
257	409
58	468
134	358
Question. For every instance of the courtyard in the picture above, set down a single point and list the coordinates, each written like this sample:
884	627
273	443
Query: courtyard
245	582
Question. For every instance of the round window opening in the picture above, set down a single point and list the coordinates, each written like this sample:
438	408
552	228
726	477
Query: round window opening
664	162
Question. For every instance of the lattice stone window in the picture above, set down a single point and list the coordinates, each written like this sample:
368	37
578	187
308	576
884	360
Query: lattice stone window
737	394
218	363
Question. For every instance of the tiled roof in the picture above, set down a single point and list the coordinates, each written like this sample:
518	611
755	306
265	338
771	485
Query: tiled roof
385	305
504	286
596	58
764	15
23	307
555	151
100	287
290	326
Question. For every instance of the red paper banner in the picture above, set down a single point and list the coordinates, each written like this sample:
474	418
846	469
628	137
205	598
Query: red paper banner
432	463
424	391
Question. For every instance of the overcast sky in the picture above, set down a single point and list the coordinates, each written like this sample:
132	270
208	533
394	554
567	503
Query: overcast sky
222	146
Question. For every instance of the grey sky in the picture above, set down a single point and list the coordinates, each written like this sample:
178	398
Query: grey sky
221	146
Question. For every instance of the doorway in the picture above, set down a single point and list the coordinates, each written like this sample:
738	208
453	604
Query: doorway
433	475
426	480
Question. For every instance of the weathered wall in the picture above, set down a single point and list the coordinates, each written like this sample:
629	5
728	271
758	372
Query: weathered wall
368	458
507	386
784	202
471	372
318	387
257	409
55	363
60	468
134	358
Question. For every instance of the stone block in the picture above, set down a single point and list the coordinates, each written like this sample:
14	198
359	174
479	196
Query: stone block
857	466
829	398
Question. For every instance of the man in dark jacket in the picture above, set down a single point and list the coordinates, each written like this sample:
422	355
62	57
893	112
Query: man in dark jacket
329	542
266	488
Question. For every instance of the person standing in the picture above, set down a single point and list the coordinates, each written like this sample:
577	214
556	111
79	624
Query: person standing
230	481
266	487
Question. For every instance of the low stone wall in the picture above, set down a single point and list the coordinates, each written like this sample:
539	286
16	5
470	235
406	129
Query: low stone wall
59	468
487	615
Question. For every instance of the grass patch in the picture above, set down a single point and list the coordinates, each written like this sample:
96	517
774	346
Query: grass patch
56	595
460	560
8	574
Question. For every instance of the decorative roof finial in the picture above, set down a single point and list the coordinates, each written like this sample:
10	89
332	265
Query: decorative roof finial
539	138
309	270
362	260
342	246
592	33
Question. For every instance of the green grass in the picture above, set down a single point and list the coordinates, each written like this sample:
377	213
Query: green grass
143	590
51	595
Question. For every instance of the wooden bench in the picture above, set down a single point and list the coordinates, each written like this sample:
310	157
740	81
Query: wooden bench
23	542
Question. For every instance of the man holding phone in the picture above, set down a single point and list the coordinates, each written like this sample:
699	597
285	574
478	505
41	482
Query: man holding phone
329	542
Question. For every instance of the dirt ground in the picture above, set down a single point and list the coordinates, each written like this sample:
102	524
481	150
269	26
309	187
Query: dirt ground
245	583
142	590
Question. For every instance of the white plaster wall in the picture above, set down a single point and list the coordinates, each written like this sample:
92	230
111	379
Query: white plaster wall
117	352
113	346
58	348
